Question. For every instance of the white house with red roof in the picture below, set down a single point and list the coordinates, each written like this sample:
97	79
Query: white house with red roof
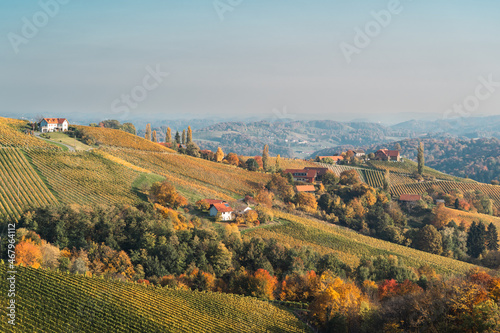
54	125
225	211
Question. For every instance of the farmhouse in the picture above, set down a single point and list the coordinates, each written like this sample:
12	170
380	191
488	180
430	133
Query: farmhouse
388	155
359	153
225	211
54	125
308	175
409	199
305	188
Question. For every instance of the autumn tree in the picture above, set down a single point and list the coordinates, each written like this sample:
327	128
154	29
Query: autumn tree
219	155
421	158
262	284
189	137
165	194
429	240
492	238
280	186
397	146
154	139
277	165
28	253
232	159
147	136
265	198
265	158
306	201
183	137
349	177
168	136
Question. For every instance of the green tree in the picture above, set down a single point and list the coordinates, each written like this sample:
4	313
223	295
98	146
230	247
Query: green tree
429	240
177	137
183	137
147	136
476	239
129	128
189	138
265	158
252	164
397	146
492	238
421	158
168	136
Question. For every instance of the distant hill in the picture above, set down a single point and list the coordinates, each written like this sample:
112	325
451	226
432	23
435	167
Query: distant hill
55	302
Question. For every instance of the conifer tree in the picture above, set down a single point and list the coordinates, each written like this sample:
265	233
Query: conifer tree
492	238
265	158
183	137
148	132
476	239
168	137
421	158
189	138
177	137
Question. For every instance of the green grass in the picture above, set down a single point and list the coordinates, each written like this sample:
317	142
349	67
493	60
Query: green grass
66	139
53	302
63	147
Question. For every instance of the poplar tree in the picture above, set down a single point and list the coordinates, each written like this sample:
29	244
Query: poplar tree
189	138
421	159
168	137
278	163
148	132
265	158
183	137
155	139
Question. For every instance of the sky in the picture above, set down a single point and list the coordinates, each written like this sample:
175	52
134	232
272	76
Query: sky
377	60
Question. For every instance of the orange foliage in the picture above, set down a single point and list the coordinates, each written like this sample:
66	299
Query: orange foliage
28	254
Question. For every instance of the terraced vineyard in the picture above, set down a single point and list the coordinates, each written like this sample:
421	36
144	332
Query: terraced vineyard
85	177
200	177
349	245
117	138
11	135
53	302
419	188
20	186
407	167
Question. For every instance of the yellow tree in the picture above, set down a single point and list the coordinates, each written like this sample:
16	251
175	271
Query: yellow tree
168	137
147	136
189	138
219	155
165	194
155	139
28	254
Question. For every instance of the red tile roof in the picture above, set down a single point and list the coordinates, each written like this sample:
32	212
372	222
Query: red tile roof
410	197
389	153
221	207
335	158
305	188
214	201
55	120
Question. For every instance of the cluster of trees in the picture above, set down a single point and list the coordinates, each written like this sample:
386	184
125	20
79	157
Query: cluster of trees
115	124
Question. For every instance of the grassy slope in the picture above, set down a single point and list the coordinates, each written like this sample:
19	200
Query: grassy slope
54	302
64	138
349	245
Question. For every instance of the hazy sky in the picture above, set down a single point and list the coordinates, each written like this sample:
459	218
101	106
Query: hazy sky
231	58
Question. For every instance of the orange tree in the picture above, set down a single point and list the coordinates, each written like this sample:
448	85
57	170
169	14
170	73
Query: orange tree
165	194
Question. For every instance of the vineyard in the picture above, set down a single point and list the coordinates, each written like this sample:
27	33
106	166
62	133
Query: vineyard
349	245
85	178
53	302
11	135
493	192
117	138
201	178
20	186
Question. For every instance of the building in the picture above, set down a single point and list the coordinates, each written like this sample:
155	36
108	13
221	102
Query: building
307	175
388	155
54	125
359	153
226	212
305	188
214	201
409	199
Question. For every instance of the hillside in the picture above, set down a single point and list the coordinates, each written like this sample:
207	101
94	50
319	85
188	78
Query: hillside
55	302
12	135
349	245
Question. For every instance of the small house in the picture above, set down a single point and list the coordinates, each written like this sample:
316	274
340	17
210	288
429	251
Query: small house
388	155
54	125
305	188
409	199
225	211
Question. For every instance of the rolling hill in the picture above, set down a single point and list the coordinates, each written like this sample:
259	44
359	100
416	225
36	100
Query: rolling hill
83	304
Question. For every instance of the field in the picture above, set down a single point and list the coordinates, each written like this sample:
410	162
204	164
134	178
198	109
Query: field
197	177
117	138
20	186
85	177
11	135
492	191
467	218
54	302
349	245
67	140
408	167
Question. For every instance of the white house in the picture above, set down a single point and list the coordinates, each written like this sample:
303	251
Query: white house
226	212
54	125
